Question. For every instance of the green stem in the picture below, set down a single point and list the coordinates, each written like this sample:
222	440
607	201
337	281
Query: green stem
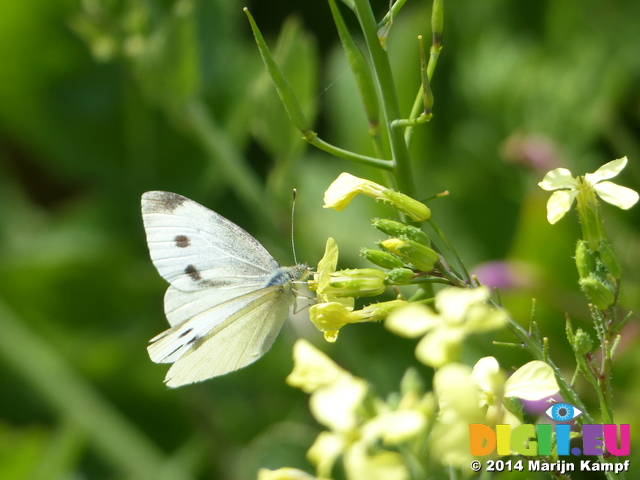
392	13
346	154
434	55
389	100
566	390
460	264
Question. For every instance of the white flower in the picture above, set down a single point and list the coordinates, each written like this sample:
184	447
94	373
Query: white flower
566	188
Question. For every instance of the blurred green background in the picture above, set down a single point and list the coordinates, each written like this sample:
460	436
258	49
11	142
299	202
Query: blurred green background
103	100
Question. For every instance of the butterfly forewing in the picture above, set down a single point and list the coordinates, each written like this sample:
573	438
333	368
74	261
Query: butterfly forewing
193	247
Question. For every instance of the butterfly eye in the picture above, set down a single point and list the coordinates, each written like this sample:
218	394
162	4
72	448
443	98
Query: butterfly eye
563	412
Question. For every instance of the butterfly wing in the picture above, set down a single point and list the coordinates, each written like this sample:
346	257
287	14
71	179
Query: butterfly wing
194	248
228	297
225	337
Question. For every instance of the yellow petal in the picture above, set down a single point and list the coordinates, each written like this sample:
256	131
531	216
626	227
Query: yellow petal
336	405
533	381
557	179
312	368
606	171
413	320
345	187
284	474
621	197
560	203
361	464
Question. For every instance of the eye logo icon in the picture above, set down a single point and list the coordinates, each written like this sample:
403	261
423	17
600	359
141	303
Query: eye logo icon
563	412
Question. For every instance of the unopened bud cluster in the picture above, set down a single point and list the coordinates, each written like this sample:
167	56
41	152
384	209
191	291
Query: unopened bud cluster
599	273
404	255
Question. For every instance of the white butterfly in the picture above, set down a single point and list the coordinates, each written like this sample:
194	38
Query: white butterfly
228	297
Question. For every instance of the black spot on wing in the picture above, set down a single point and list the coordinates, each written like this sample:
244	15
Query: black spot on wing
171	201
217	283
161	202
193	273
186	332
182	241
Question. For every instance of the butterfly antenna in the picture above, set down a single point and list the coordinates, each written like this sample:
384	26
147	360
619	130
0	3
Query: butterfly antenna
293	210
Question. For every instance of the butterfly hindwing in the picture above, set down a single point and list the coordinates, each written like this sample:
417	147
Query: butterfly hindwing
208	344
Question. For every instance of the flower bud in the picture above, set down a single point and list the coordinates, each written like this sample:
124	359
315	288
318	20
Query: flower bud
597	292
377	311
346	186
416	210
399	276
582	343
380	258
396	229
584	259
609	259
421	257
356	282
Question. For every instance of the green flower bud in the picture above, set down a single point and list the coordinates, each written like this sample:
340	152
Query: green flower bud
582	343
399	276
584	259
396	229
411	207
609	259
412	382
421	257
356	282
380	258
597	292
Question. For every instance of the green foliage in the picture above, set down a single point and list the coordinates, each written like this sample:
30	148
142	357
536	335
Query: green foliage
102	100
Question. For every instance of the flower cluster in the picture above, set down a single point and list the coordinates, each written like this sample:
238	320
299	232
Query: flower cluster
336	292
363	430
481	394
460	312
383	440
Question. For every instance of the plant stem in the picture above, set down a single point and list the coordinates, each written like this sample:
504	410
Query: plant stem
348	155
389	100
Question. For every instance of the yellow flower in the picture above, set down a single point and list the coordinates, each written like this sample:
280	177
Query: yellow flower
284	474
335	293
312	369
361	464
461	312
360	425
346	186
476	395
332	316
